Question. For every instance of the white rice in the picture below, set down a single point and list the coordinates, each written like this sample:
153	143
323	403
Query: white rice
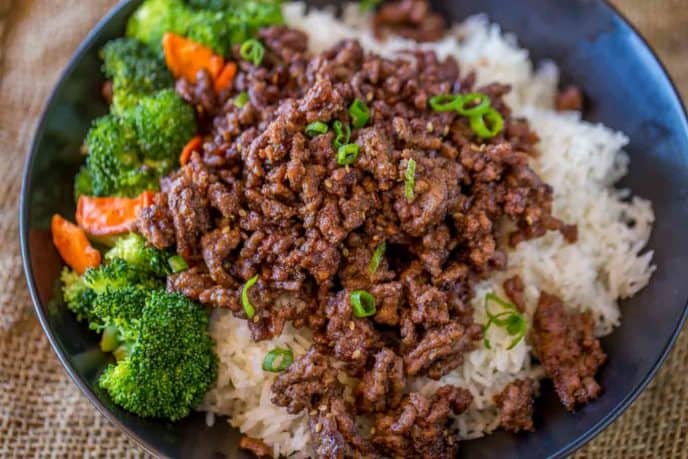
580	160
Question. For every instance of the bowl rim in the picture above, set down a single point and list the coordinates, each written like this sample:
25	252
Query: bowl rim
77	379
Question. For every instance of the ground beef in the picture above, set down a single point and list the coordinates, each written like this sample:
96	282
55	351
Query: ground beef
306	383
263	198
515	405
514	289
420	427
411	19
381	387
255	446
568	350
569	99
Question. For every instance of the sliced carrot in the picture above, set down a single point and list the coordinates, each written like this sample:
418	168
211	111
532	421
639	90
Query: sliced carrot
109	216
73	245
193	145
226	77
185	58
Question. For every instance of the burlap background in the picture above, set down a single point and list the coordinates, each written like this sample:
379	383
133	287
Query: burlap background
43	414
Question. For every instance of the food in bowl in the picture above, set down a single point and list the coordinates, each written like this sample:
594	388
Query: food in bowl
399	229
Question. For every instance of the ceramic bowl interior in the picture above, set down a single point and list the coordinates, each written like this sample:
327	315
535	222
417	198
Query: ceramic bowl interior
626	89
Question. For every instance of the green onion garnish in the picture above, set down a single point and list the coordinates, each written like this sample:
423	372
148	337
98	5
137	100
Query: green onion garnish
253	51
245	302
410	180
363	304
342	134
446	102
316	128
511	320
473	104
278	360
241	100
488	124
377	257
178	264
110	340
360	113
347	154
368	5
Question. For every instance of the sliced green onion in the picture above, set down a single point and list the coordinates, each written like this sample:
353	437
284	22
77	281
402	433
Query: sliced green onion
363	304
347	154
241	100
252	50
377	257
316	128
511	320
368	5
446	102
110	340
178	264
245	302
342	134
488	124
473	104
360	113
410	180
278	360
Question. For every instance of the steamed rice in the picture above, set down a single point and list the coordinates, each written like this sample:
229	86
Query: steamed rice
580	160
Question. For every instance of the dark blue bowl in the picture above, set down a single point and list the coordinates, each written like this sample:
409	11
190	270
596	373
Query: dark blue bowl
596	49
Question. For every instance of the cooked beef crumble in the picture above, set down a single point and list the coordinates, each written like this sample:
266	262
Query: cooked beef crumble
264	199
515	404
569	352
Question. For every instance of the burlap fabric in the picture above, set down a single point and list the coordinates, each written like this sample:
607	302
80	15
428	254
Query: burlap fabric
42	414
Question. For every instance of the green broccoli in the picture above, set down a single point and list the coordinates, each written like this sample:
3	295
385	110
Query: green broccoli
156	17
116	275
213	30
135	70
114	160
120	308
134	250
77	295
168	363
164	123
83	183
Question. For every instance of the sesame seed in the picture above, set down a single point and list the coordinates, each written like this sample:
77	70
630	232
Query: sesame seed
322	407
328	183
370	96
352	325
356	354
430	127
318	427
242	213
313	412
372	430
445	131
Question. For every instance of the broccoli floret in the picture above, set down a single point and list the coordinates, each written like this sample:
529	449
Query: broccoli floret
114	159
156	17
116	275
164	123
213	30
120	308
135	70
77	295
83	183
134	250
170	363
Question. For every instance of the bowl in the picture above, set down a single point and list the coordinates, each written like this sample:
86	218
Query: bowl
596	49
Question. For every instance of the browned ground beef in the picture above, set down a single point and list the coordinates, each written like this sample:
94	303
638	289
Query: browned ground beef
411	19
255	446
515	404
569	352
263	198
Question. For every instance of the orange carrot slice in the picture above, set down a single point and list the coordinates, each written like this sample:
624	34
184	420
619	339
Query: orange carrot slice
109	216
73	245
226	77
185	58
193	145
